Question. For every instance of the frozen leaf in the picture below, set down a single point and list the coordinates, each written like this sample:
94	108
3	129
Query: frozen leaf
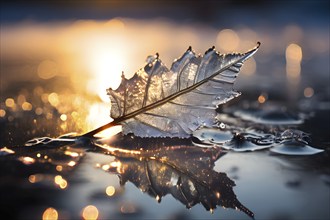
185	172
162	102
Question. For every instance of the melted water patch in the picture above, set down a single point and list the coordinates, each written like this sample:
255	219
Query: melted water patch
212	136
244	141
248	142
294	142
295	149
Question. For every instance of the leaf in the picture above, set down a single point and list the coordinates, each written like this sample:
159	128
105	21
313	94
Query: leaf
162	102
185	172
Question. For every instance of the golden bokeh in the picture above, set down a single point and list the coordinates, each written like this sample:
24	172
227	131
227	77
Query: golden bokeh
262	98
47	69
110	190
293	54
50	214
53	99
2	113
60	181
27	106
63	117
59	168
228	40
90	212
27	160
308	92
10	102
71	163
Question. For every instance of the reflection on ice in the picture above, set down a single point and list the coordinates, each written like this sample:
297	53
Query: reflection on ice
185	172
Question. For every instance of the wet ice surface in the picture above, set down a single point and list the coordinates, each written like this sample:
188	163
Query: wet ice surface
271	164
255	167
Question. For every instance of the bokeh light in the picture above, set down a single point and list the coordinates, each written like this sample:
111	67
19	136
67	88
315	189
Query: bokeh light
2	113
47	69
293	56
228	40
50	214
10	102
110	190
90	212
308	92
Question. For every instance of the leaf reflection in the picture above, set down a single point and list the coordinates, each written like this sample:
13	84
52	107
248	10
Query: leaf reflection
185	172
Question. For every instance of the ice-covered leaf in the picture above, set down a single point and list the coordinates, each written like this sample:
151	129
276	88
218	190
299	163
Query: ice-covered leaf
185	172
173	102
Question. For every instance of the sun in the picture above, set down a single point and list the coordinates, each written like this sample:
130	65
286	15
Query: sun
106	65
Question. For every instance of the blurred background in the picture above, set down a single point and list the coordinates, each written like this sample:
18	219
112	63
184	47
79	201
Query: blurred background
58	58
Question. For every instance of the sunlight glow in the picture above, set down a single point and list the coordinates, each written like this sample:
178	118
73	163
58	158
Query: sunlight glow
106	61
98	115
109	132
